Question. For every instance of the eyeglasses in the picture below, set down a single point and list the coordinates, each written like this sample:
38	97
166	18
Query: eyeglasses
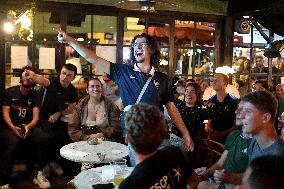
139	45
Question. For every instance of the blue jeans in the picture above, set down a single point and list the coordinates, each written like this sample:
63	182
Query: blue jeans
131	153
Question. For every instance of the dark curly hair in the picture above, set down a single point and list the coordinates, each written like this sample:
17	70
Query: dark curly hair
152	44
198	93
35	70
145	127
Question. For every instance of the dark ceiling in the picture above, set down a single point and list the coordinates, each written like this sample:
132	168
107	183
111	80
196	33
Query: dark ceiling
260	7
269	13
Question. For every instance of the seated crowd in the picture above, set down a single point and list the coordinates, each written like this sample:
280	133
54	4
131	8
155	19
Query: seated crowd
40	119
52	116
57	113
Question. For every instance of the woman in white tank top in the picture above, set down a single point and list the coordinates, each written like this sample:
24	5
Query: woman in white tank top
94	116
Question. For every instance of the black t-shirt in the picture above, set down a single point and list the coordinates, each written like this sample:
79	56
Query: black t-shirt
222	113
21	106
57	98
193	118
168	168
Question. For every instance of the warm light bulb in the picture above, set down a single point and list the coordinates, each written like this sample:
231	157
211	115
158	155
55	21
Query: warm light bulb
8	27
80	39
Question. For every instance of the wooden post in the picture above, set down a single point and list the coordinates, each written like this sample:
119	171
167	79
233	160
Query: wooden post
269	78
2	53
218	44
194	53
229	38
172	49
119	38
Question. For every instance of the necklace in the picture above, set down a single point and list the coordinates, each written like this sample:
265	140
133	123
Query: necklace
245	136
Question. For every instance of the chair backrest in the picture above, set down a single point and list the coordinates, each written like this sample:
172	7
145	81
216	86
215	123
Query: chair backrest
208	152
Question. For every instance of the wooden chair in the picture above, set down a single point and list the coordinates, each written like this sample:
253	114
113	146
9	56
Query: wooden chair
208	152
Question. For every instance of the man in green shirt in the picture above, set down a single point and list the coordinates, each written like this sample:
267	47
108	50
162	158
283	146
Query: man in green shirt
234	160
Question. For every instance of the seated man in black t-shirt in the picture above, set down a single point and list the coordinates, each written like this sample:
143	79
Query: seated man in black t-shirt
58	100
165	168
20	109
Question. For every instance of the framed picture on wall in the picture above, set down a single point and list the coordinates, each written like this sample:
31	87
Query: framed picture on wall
109	36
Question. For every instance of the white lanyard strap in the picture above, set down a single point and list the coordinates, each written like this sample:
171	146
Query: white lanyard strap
143	90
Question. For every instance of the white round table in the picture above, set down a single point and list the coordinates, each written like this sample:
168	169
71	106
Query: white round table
87	178
83	152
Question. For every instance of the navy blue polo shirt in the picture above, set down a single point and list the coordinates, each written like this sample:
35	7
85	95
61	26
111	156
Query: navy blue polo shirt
21	106
131	81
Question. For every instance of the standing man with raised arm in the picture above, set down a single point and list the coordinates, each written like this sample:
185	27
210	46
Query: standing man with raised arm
145	54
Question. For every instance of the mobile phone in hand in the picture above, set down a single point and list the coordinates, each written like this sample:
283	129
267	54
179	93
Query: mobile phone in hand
22	131
103	186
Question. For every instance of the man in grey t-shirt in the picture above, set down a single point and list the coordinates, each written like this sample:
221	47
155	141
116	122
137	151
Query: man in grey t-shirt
258	116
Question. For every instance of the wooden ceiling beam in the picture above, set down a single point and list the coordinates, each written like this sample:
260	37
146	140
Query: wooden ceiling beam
89	9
